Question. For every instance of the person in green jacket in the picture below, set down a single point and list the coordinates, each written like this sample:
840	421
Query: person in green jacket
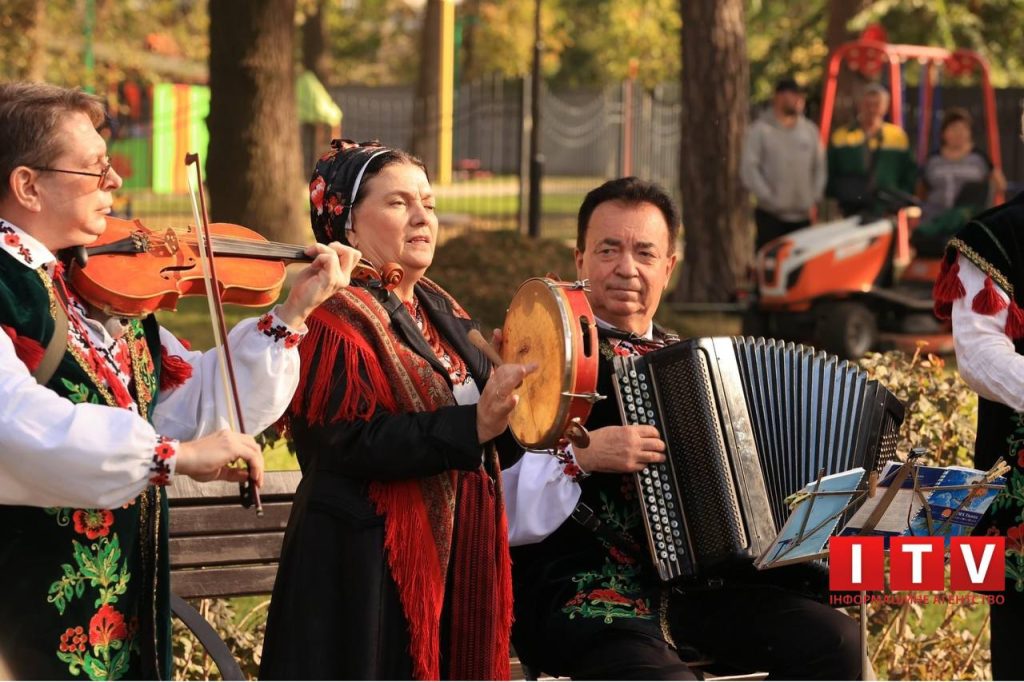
868	155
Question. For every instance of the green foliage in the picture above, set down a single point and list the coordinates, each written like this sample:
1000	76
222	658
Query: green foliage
933	641
483	269
372	42
940	408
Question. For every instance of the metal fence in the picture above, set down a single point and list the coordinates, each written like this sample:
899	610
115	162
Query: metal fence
588	135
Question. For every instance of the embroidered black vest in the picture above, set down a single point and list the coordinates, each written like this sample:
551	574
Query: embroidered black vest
994	242
85	591
588	580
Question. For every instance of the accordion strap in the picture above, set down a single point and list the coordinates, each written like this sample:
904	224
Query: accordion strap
586	517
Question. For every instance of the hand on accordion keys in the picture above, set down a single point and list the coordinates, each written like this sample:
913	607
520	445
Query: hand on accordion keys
621	449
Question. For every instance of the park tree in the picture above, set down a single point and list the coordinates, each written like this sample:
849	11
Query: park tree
253	167
715	85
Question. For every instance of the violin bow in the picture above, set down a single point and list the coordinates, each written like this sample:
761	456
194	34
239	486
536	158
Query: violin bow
249	492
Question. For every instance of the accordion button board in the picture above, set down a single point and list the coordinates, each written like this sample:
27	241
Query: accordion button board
746	422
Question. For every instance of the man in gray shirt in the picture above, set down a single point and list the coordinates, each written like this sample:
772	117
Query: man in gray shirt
783	165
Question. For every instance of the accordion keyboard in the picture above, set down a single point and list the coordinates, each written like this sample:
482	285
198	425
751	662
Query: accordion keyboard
662	513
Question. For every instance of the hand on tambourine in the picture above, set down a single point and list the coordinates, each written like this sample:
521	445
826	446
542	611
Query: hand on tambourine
498	400
621	449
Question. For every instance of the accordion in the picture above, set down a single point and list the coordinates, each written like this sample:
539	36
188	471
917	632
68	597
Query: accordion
747	422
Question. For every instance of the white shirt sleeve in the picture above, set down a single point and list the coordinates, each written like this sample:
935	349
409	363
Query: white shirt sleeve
266	371
985	355
539	497
54	453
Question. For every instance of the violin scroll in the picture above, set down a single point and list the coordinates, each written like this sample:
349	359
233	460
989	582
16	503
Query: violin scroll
387	277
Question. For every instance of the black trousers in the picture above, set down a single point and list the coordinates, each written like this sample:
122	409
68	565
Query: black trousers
759	628
771	227
1007	626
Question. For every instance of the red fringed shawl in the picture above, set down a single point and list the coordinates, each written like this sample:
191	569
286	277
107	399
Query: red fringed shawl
351	341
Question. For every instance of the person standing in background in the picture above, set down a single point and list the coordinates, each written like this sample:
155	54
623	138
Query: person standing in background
783	165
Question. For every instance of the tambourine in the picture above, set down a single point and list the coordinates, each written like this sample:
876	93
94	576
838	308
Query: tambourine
550	323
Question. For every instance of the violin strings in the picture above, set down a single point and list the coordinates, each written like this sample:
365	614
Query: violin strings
250	247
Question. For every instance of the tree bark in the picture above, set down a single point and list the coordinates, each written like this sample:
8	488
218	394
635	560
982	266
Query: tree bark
715	94
314	43
426	108
253	169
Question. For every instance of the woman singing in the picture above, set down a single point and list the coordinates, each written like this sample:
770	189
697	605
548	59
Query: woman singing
395	562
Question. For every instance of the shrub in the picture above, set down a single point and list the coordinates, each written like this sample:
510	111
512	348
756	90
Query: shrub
934	642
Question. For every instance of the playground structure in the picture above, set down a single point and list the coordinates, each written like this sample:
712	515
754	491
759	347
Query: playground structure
849	285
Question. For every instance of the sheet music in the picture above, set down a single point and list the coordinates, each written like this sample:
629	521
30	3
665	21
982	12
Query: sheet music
951	512
813	521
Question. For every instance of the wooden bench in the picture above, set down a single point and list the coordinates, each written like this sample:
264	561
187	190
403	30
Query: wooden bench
220	549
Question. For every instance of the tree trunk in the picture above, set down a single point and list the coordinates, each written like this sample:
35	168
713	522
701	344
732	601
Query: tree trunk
426	108
253	169
715	93
839	14
314	51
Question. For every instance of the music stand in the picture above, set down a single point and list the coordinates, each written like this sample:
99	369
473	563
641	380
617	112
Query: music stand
803	504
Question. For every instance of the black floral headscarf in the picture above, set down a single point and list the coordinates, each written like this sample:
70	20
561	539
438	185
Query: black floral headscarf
335	184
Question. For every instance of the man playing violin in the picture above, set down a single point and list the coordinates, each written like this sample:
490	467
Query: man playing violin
589	605
98	416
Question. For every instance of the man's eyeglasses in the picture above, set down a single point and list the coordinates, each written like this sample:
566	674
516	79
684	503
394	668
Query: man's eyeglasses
102	174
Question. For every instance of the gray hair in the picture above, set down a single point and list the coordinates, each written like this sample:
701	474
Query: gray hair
30	114
876	89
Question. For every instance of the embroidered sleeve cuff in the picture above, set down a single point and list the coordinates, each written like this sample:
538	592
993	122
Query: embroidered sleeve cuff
164	453
271	325
564	454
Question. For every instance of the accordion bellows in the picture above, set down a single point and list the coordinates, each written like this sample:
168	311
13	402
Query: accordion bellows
747	422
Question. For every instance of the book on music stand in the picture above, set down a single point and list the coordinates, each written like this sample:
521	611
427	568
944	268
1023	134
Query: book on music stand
816	511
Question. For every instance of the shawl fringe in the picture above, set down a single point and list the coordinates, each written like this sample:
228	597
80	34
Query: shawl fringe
416	573
27	349
174	371
326	341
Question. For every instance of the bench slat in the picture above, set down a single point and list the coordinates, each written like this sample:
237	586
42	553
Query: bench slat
235	581
185	490
226	550
219	520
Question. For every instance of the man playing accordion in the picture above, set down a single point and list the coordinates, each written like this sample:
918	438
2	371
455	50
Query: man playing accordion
589	604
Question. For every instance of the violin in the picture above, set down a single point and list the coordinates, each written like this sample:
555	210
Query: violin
134	270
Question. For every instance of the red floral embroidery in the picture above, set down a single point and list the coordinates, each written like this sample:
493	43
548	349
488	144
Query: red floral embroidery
11	240
161	469
277	332
610	596
316	193
335	205
620	556
93	523
73	639
107	626
1015	539
569	466
1020	458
